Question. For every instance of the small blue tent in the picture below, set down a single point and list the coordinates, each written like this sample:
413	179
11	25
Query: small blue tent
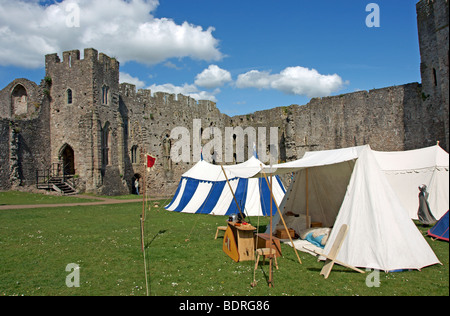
440	229
204	190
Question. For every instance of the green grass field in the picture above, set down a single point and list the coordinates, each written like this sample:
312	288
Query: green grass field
182	258
23	198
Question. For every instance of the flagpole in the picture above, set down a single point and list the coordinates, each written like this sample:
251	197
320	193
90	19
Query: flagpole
142	227
143	195
149	163
143	208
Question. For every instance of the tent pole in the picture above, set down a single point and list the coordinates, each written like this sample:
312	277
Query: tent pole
282	219
231	189
270	237
307	198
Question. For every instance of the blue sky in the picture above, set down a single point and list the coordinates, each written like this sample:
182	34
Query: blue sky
245	55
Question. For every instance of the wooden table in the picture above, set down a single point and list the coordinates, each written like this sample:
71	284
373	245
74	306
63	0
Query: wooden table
238	242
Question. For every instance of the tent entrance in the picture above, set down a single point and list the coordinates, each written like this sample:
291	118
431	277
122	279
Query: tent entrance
322	195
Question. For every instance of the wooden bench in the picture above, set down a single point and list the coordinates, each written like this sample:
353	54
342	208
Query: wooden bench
223	228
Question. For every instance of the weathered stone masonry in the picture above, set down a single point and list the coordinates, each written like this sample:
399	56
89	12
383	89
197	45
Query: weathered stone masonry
81	118
432	22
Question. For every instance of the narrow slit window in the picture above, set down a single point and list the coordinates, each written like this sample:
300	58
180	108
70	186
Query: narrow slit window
435	77
134	154
105	91
69	96
105	145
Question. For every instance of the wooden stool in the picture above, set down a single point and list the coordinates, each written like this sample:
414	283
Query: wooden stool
224	228
265	252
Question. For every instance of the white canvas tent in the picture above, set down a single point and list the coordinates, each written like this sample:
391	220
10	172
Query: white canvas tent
407	170
347	186
203	189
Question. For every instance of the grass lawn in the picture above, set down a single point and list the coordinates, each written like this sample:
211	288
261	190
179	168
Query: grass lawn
182	258
24	198
115	197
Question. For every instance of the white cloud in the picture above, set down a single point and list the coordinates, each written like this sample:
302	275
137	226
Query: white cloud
187	90
124	77
213	77
254	79
121	28
293	80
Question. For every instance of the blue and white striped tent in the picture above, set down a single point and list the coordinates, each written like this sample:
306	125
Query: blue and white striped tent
204	190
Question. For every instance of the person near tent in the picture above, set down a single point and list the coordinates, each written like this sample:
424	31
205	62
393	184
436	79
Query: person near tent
424	212
136	186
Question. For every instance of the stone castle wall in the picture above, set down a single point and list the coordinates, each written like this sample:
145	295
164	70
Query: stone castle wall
148	122
433	30
5	183
24	132
384	118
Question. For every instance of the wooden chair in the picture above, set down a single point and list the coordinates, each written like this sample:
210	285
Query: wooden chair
223	228
266	252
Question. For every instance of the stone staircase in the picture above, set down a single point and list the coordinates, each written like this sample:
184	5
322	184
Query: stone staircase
57	184
53	179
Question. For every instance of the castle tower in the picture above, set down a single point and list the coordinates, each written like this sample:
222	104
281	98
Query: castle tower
432	22
84	115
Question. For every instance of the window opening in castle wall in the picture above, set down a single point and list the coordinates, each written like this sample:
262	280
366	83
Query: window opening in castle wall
19	100
69	96
105	91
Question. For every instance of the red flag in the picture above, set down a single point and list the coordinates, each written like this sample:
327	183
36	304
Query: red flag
150	161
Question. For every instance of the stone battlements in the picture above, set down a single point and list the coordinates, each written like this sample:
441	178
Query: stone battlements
72	59
128	91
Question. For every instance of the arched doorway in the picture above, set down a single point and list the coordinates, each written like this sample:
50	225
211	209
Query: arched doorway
19	100
67	158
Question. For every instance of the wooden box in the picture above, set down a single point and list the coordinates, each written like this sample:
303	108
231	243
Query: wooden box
282	234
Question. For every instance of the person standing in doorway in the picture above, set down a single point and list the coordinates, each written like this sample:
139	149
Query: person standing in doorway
136	186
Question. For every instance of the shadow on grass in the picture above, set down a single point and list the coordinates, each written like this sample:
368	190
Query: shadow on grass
147	245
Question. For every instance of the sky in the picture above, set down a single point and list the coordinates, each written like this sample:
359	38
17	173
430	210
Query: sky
245	55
